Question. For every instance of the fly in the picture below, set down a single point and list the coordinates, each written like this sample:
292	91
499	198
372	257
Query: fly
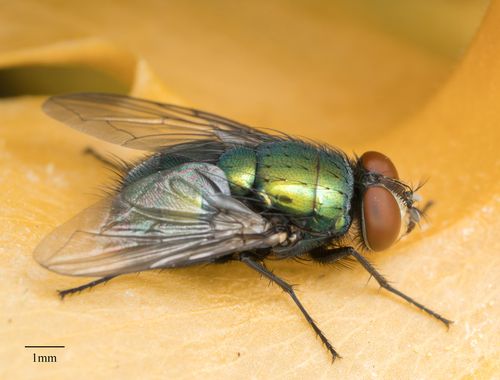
214	190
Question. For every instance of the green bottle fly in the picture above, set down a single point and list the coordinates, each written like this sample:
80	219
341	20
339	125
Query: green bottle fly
214	190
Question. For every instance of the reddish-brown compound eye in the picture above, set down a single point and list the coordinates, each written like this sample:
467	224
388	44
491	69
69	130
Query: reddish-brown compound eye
381	216
379	163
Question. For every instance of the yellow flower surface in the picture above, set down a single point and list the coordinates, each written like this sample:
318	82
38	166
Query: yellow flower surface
315	71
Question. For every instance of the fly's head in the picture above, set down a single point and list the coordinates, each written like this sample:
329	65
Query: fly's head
388	205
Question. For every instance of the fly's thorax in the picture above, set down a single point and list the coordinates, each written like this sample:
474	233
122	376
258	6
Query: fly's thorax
334	191
313	185
239	164
286	176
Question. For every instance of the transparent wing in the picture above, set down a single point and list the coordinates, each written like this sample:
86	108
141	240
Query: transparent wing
146	125
169	219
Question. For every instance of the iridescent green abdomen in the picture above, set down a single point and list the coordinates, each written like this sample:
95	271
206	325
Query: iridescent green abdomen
312	185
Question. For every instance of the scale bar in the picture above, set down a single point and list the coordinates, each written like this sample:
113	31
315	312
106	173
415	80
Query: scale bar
44	346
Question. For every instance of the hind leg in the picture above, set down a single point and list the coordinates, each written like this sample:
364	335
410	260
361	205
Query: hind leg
65	292
115	165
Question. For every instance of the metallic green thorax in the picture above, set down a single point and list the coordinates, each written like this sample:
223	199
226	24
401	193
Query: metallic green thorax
239	166
312	185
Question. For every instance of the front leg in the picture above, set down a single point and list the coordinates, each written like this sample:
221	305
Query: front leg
324	255
332	255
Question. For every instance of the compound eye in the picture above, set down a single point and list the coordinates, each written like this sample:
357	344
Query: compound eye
381	216
381	219
379	163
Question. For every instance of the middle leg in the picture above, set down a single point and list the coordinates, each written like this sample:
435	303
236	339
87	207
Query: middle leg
256	265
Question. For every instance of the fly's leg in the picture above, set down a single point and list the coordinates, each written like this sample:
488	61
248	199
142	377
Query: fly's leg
384	283
325	255
99	157
65	292
255	265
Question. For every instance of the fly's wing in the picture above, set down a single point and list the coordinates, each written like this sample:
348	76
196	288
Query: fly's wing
168	219
146	125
